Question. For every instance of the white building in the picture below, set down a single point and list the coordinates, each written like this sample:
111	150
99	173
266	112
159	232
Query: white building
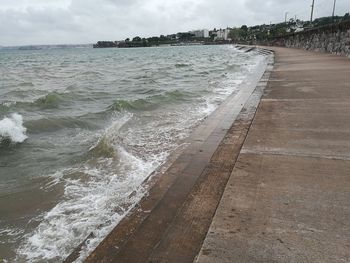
222	34
205	33
200	33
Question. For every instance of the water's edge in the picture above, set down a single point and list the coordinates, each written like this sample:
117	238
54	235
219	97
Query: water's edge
222	117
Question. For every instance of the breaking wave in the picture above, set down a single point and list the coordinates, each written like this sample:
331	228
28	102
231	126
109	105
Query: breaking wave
104	146
98	193
12	129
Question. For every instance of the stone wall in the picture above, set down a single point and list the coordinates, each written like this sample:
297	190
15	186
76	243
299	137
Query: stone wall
334	39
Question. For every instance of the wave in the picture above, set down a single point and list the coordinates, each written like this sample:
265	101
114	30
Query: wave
51	100
90	73
182	65
26	84
132	105
152	102
12	129
40	99
173	97
57	123
105	147
97	195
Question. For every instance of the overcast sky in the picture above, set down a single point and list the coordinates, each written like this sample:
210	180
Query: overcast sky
24	22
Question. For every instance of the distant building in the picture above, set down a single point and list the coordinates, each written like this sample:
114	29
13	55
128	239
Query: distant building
222	34
200	33
172	36
212	33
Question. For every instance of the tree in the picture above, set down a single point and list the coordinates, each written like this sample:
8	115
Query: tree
136	39
235	34
243	32
145	42
244	28
185	36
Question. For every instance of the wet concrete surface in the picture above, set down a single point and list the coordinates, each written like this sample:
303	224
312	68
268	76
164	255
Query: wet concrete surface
288	196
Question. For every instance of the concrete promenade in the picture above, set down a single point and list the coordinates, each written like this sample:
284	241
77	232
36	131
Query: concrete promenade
288	196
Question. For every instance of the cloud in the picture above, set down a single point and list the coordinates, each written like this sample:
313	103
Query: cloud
36	25
87	21
274	10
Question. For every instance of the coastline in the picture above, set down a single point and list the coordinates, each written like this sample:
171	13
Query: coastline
184	167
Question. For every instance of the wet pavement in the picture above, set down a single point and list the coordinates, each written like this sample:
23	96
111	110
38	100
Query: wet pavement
288	196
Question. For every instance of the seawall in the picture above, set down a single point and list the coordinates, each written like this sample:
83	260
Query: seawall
334	39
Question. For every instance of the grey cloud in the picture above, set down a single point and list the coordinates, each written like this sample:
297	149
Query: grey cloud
86	21
274	10
31	25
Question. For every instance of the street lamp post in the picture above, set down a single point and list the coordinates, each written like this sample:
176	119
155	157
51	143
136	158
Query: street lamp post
312	10
333	10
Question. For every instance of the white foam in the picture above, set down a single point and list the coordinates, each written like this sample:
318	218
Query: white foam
12	128
95	201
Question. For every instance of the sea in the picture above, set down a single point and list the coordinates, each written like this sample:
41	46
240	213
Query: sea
82	128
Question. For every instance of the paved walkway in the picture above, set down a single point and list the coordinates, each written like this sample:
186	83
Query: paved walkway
288	197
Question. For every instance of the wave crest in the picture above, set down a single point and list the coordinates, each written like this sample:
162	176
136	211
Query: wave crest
12	129
132	105
51	100
153	102
106	145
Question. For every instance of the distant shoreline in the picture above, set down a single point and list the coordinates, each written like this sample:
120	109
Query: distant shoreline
112	44
44	47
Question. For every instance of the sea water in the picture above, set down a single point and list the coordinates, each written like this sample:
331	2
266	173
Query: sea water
81	129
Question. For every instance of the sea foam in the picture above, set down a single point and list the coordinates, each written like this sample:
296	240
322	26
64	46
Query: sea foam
108	186
11	128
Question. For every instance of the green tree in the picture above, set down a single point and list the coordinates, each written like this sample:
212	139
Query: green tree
136	39
235	34
185	36
243	32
